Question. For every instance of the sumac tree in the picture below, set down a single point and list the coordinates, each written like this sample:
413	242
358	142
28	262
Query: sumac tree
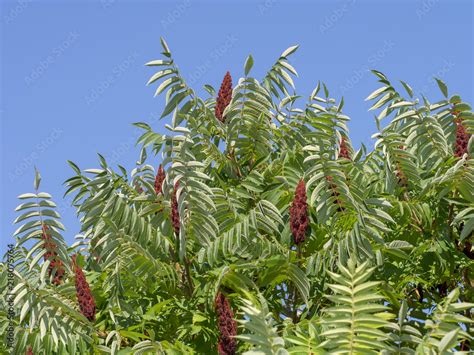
264	230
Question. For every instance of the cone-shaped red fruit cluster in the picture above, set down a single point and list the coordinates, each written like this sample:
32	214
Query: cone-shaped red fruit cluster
159	178
344	149
335	193
138	188
29	350
402	178
224	97
462	139
227	326
299	220
55	262
83	292
174	209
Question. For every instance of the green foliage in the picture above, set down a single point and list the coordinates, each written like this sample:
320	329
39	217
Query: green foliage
386	266
262	334
353	323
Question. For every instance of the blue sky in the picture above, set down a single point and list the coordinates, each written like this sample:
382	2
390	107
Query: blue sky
73	78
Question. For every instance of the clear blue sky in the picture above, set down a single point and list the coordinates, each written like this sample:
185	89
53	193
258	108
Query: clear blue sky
73	78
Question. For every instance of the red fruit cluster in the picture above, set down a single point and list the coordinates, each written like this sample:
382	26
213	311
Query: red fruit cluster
83	293
227	326
343	149
29	350
159	178
55	262
402	179
335	193
224	97
175	209
462	139
299	220
138	188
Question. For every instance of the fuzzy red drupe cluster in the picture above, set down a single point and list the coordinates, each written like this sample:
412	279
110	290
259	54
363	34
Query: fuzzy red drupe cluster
344	150
224	97
401	177
175	209
159	178
299	220
335	193
51	254
227	326
138	188
83	292
462	138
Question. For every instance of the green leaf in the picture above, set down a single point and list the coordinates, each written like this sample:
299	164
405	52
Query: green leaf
166	83
142	125
448	340
298	277
143	156
289	51
174	102
248	65
74	167
27	196
379	74
157	63
402	104
159	75
408	88
37	179
376	93
455	99
210	90
164	45
462	107
442	86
